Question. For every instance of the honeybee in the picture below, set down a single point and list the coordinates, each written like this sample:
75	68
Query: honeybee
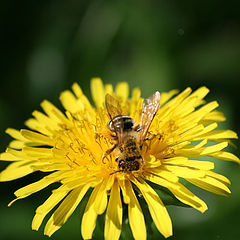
129	137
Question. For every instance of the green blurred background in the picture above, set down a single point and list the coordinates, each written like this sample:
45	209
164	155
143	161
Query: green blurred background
48	45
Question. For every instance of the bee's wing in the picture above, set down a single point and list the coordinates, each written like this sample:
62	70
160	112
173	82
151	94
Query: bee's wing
113	106
114	109
149	110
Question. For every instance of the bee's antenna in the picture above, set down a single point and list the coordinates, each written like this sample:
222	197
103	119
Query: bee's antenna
116	172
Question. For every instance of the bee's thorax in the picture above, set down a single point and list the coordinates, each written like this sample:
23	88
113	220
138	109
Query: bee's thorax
121	123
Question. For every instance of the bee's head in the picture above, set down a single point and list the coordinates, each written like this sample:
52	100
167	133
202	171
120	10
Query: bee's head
121	122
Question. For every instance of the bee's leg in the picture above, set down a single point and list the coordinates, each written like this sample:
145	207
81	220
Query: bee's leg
113	136
108	152
151	137
137	128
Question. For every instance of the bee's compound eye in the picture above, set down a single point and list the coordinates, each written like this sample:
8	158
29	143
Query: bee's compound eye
121	164
110	125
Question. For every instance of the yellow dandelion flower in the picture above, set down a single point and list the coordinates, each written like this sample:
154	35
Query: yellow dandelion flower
81	149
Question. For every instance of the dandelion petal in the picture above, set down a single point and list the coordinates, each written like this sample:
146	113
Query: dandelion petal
90	215
114	213
157	209
65	210
47	206
135	215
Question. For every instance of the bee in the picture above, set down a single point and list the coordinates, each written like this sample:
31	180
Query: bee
129	137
